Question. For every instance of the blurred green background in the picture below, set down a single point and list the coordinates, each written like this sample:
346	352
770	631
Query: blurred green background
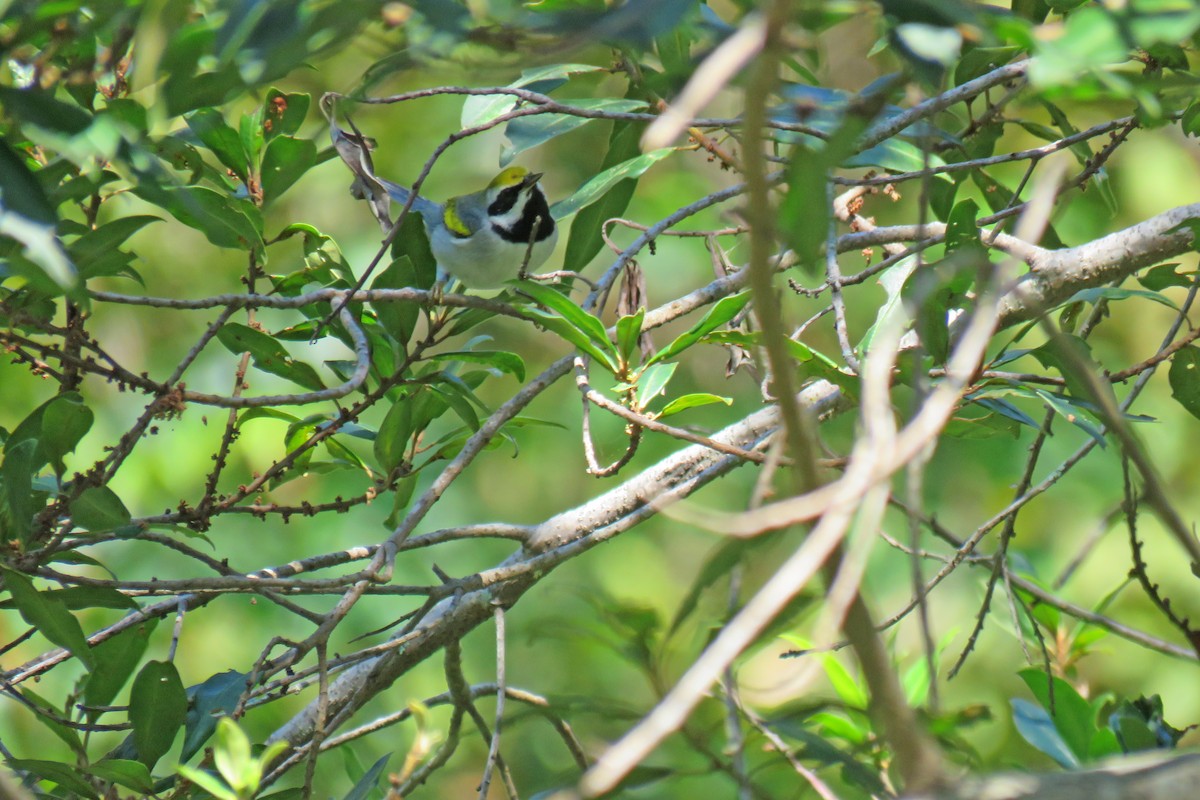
564	640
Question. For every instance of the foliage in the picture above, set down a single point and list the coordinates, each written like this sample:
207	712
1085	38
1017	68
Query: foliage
711	162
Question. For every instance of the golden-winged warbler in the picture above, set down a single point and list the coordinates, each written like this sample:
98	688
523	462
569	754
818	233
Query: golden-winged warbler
488	237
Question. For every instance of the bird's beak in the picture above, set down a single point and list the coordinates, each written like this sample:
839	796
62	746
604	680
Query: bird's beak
531	179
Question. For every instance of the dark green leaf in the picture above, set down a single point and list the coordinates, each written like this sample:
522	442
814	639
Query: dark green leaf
107	237
268	354
157	709
1098	293
585	240
41	109
283	113
525	133
981	60
215	697
98	509
391	443
506	362
629	331
413	241
21	192
16	479
602	182
1190	121
285	162
66	775
130	774
398	319
116	658
485	108
48	615
226	221
1184	378
366	785
210	127
1070	713
32	221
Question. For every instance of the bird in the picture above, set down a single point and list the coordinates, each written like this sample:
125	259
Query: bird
487	237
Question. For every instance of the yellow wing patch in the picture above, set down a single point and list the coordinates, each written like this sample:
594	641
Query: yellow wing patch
453	221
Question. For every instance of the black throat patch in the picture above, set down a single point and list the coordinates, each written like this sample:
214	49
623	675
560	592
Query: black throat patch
537	211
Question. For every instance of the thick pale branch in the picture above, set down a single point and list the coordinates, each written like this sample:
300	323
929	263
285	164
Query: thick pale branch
555	541
1141	777
1055	275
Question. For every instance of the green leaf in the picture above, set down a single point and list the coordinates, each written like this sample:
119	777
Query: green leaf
116	658
98	509
365	785
1184	378
207	782
981	60
525	133
21	193
481	109
725	310
50	716
413	241
398	319
585	240
66	775
215	697
130	774
42	110
107	237
285	161
226	221
157	710
268	354
692	401
210	127
580	328
962	232
1037	728
652	382
30	219
1190	121
48	615
16	480
599	184
391	443
1098	293
629	331
283	113
181	156
1091	39
232	756
847	688
1072	412
508	363
895	155
1071	715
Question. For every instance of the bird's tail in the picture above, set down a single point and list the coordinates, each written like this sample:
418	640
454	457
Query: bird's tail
428	209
